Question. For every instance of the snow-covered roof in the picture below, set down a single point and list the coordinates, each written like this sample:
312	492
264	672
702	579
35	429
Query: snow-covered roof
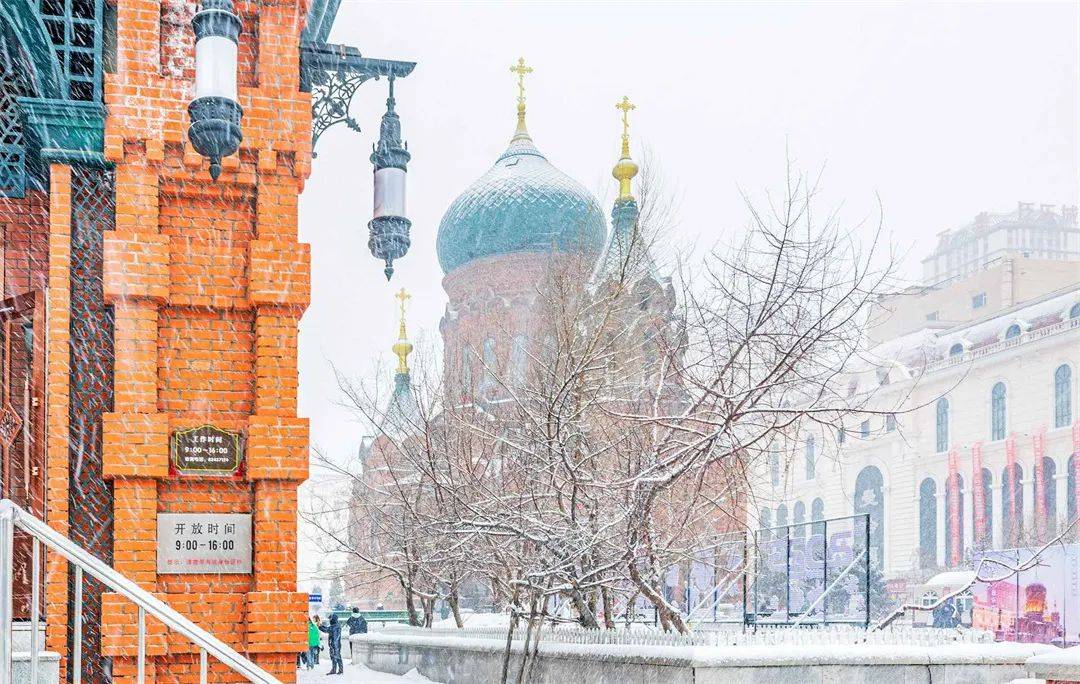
953	579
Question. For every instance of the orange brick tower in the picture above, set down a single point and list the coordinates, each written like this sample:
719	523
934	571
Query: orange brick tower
150	313
207	283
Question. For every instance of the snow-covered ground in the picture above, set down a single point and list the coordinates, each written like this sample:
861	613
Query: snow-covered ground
356	674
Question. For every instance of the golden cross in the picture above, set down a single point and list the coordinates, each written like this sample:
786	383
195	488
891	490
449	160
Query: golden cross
626	107
521	70
402	296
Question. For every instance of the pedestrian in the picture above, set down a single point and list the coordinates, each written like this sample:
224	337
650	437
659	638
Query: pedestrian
313	637
333	636
357	625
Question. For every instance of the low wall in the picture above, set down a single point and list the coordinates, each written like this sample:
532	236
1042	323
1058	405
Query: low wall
445	658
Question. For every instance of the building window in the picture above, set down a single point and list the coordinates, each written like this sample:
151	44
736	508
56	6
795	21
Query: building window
817	513
864	429
1062	396
1013	331
942	432
466	372
1074	312
978	301
841	435
765	521
800	519
927	524
956	350
518	361
932	316
890	422
1049	496
488	382
870	499
781	518
997	411
810	457
774	465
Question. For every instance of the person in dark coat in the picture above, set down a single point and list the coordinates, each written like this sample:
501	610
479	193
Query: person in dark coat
357	625
333	636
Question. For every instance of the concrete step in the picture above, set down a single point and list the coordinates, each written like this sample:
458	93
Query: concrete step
48	667
20	636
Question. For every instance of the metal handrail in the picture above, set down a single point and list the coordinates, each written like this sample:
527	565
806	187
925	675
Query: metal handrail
12	516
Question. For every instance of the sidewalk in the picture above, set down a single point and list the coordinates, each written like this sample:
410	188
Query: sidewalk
356	674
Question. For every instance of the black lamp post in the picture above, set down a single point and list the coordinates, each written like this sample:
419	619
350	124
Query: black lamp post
215	114
388	230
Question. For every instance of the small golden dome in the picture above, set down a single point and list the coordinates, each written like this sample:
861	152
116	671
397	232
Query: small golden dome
626	168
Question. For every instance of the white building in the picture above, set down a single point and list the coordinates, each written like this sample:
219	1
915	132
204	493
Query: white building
980	372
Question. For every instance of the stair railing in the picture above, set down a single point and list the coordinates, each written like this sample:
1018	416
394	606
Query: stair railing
13	517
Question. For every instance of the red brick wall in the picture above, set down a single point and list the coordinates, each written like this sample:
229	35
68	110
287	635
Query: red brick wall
25	240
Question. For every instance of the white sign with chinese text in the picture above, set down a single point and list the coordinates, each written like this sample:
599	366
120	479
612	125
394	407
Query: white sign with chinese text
203	543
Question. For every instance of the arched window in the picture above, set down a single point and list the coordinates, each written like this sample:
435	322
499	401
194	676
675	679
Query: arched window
800	519
1049	492
490	363
811	458
1012	500
1062	396
781	517
954	528
1012	331
997	411
870	498
466	372
774	465
764	523
518	360
927	524
817	512
956	350
987	538
1074	311
942	424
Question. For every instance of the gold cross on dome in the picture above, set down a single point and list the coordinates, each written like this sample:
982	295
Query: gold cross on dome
626	107
521	70
402	296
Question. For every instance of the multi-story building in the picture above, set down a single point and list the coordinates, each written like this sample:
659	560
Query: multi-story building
973	439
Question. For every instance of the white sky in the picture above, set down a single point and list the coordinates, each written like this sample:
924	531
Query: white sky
941	110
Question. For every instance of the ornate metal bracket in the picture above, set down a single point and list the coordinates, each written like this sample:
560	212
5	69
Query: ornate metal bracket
332	74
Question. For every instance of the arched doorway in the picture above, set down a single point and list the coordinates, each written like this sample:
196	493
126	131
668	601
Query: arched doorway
870	498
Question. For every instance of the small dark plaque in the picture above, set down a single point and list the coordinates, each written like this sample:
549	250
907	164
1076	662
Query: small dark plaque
206	450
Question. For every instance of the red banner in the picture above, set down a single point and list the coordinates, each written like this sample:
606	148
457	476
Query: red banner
956	534
978	500
1038	441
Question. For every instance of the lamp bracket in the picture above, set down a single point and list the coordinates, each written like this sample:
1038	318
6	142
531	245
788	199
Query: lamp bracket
332	74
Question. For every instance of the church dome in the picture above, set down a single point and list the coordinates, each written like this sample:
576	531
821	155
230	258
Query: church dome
522	204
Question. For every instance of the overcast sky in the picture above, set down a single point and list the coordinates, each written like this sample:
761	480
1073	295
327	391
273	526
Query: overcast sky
942	111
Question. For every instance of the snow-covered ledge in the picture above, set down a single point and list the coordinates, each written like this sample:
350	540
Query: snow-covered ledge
465	660
1059	665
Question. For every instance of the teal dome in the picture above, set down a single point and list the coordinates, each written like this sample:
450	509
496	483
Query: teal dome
522	204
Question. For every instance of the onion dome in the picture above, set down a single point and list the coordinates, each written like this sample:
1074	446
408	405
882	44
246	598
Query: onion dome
522	204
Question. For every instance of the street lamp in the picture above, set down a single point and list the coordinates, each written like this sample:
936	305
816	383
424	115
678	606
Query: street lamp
388	230
215	114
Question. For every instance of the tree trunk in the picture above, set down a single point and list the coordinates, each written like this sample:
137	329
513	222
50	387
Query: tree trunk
455	606
605	598
669	617
429	610
410	605
585	615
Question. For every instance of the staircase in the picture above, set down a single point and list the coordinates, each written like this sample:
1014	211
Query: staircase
22	658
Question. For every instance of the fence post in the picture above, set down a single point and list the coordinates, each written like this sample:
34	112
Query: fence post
7	534
825	570
787	574
867	522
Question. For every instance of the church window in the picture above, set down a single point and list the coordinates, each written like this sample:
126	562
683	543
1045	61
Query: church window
997	411
774	465
1074	312
1012	331
1049	494
942	425
811	458
1062	396
800	519
518	360
864	429
490	363
890	422
956	350
978	301
817	513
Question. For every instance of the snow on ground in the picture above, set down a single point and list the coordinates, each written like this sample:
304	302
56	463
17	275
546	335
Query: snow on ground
357	674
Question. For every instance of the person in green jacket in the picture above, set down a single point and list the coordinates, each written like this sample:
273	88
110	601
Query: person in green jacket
313	638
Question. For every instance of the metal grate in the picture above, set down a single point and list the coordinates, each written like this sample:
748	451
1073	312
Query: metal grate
12	151
90	499
75	29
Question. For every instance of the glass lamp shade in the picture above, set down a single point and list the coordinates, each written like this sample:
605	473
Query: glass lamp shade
389	192
215	67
